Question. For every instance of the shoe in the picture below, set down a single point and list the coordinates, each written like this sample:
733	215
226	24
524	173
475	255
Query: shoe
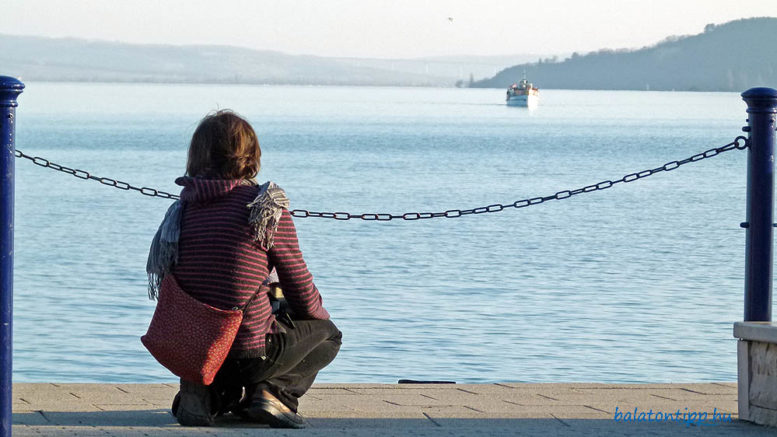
226	399
269	410
176	403
192	405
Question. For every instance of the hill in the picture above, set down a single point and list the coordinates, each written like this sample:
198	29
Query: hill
68	59
729	57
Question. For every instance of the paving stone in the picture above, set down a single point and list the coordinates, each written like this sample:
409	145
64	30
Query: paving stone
538	399
547	424
570	385
712	388
414	400
355	422
338	391
145	389
124	407
341	402
107	418
29	418
74	406
401	410
461	412
359	386
375	391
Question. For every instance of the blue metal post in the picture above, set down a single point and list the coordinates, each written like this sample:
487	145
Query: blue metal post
761	113
10	89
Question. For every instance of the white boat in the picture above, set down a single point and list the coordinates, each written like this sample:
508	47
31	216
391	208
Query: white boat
523	94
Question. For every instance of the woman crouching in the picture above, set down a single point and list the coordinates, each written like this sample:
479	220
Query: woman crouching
227	238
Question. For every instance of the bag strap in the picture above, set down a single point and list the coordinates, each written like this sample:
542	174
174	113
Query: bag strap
245	307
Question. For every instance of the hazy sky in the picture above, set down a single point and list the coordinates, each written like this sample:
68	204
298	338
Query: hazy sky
378	28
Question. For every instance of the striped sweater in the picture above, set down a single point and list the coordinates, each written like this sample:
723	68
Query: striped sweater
220	264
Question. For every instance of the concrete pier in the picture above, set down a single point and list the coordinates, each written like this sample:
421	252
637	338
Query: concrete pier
50	409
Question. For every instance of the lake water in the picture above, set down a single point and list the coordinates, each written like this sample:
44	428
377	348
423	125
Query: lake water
638	283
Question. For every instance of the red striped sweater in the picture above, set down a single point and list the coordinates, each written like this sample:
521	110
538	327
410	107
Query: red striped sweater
220	264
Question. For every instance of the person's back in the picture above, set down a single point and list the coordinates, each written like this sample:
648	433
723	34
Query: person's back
231	234
221	264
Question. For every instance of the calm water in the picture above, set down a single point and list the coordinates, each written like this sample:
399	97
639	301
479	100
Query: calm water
641	282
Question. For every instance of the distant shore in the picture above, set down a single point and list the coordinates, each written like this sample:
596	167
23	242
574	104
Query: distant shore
303	84
710	61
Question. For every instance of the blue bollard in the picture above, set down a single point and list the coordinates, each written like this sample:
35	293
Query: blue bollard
10	88
761	113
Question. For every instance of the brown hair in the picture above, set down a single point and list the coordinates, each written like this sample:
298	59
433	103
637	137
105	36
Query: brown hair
224	146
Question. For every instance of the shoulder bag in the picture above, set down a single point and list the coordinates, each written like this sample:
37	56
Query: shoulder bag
191	338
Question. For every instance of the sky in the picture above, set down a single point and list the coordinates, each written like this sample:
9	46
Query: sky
379	28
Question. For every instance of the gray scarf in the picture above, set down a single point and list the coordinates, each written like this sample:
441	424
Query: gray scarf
266	210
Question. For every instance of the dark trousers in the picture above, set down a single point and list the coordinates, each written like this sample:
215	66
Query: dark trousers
293	359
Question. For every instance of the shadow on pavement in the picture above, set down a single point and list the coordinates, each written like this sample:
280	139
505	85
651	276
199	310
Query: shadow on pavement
161	418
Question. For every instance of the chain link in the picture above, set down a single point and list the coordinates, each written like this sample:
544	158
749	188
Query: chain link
739	143
82	174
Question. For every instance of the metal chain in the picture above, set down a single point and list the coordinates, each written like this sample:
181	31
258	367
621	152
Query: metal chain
82	174
739	143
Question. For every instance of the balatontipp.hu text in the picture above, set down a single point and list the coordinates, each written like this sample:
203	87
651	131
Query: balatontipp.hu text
685	416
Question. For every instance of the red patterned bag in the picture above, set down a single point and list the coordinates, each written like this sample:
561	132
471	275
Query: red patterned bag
190	338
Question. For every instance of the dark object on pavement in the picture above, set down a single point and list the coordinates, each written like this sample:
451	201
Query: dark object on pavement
413	381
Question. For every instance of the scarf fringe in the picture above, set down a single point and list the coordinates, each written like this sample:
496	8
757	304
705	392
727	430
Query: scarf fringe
154	285
266	211
164	249
167	258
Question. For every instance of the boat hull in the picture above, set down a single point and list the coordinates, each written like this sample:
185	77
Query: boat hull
524	101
